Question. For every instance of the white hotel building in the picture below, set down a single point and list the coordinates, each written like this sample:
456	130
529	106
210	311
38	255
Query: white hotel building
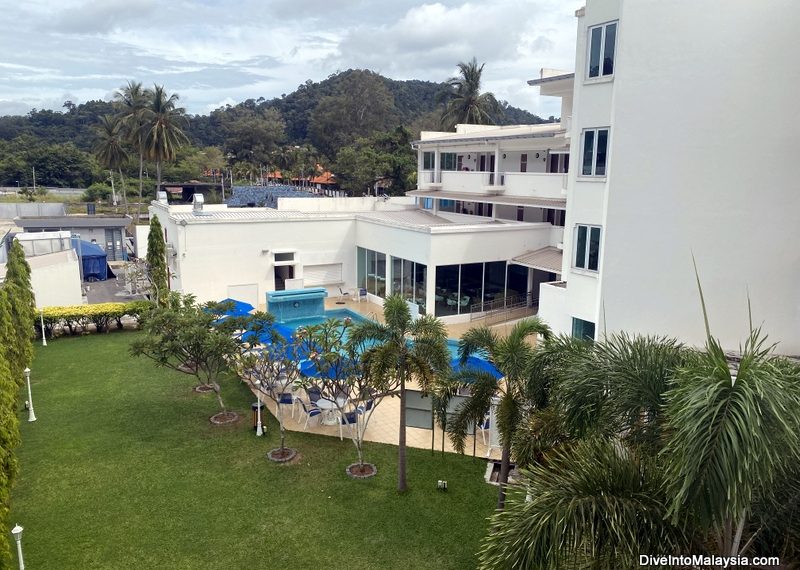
678	130
685	127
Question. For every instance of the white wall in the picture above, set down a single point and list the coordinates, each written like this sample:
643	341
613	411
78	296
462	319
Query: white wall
355	204
704	143
55	279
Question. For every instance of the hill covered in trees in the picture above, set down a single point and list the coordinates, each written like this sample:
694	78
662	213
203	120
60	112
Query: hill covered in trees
346	110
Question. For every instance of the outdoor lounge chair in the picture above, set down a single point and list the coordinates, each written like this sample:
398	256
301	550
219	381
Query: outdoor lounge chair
343	295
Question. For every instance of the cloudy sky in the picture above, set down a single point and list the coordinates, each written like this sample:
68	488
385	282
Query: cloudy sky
214	52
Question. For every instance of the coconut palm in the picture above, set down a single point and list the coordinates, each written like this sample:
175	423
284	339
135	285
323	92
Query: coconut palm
164	135
403	349
133	100
463	101
110	148
512	356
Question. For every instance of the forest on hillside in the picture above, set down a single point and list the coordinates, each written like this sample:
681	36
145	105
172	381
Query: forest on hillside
355	123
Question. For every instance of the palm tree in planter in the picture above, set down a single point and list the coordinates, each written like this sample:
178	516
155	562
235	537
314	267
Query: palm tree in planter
403	349
183	331
337	370
268	363
512	356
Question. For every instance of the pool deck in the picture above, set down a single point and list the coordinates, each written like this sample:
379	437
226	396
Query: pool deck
383	425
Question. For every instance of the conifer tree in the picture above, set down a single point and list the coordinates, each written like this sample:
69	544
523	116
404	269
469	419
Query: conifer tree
157	261
9	425
19	295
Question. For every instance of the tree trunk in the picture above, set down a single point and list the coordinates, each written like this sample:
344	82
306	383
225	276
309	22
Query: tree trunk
280	423
217	390
502	479
401	442
124	190
141	182
158	173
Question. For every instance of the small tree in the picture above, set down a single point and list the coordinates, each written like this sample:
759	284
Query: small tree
183	336
339	373
20	297
157	262
269	366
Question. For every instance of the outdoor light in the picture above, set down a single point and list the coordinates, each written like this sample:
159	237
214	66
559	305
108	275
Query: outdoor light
441	485
44	335
259	427
16	532
31	414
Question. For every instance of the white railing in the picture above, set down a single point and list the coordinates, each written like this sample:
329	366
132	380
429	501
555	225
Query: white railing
539	184
557	237
464	181
427	177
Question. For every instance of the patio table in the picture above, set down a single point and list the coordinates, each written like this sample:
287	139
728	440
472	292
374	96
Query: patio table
329	407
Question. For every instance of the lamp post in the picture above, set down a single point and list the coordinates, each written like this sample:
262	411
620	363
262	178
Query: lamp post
31	415
44	334
259	428
16	532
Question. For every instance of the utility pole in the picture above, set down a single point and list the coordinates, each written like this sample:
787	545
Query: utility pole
34	179
113	192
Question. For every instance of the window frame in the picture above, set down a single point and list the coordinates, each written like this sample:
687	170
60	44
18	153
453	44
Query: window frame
603	30
587	247
595	145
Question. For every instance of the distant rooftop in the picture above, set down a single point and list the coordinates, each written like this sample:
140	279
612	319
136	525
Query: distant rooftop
480	133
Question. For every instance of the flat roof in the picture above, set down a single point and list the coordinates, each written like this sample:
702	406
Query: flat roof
554	203
550	79
82	221
509	132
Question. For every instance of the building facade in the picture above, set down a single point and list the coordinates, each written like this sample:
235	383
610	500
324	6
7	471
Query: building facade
684	125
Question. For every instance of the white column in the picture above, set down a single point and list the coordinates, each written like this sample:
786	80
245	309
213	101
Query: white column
437	166
420	165
435	206
497	165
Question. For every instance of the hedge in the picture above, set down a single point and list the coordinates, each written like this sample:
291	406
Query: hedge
77	318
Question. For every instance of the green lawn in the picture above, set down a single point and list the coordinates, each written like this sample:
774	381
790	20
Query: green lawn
123	470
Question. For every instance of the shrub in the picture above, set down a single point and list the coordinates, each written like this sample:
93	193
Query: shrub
78	317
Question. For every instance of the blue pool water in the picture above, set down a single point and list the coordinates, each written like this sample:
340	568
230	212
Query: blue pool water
294	324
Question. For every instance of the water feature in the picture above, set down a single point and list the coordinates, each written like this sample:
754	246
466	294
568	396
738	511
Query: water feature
296	303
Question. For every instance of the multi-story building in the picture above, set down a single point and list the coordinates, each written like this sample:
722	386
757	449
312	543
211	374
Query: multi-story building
684	125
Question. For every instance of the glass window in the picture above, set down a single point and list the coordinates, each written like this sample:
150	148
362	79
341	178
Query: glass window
371	280
588	152
380	274
397	271
448	161
595	47
595	148
284	256
587	247
471	286
582	329
517	282
420	284
428	160
361	264
446	290
494	281
408	280
602	42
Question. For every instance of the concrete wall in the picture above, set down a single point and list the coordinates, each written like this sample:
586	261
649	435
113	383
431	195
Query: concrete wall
55	279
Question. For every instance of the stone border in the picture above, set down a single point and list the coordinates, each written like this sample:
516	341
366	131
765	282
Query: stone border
292	455
224	418
365	476
203	389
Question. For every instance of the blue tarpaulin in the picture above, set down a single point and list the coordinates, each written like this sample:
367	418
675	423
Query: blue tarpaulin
94	260
478	364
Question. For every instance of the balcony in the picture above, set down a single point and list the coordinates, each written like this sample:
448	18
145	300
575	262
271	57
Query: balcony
527	184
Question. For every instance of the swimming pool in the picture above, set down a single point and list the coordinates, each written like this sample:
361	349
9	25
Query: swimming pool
341	314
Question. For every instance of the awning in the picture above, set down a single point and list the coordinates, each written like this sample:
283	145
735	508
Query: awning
545	259
553	203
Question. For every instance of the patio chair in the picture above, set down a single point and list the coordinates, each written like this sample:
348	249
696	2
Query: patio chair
314	394
362	294
285	399
310	410
350	419
483	427
343	295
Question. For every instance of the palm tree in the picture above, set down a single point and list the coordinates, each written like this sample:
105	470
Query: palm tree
134	101
110	148
463	100
687	451
164	135
404	349
512	356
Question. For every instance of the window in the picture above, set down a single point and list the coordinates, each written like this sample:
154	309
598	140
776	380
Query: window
288	256
602	41
428	160
582	329
587	247
448	161
523	162
595	147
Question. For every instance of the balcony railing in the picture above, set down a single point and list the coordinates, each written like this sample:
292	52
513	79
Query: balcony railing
540	184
